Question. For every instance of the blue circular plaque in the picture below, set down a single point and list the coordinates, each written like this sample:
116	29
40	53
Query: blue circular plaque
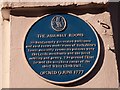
61	48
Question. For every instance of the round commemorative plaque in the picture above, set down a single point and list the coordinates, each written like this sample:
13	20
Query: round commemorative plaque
61	48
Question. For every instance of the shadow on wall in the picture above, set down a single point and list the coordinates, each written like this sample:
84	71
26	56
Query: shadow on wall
94	71
92	8
114	9
111	7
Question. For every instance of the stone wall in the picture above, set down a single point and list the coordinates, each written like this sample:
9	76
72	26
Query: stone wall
107	74
0	48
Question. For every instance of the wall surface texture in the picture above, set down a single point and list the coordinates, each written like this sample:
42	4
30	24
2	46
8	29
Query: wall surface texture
15	23
0	48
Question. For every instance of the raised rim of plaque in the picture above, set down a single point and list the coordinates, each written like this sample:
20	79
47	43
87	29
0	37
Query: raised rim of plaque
72	81
58	23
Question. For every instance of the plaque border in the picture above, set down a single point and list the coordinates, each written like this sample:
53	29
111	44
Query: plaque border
67	82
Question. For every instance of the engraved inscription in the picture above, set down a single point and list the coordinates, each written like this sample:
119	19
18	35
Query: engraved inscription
50	54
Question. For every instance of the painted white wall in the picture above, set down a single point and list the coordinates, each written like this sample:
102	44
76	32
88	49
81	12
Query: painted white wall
0	48
104	74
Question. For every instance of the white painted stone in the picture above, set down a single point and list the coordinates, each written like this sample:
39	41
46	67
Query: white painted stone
17	72
0	47
38	3
55	1
5	53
